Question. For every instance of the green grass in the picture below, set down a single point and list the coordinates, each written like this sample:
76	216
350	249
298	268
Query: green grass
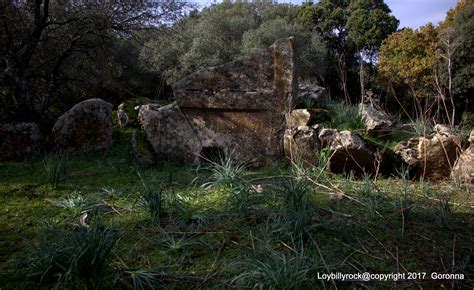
291	228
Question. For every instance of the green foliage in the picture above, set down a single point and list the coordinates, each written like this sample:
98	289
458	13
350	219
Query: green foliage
152	199
310	51
346	117
467	120
370	23
55	168
78	203
406	57
78	258
270	269
463	71
143	279
231	177
57	54
226	32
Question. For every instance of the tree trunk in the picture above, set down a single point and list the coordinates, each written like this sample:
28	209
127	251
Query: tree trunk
361	78
342	73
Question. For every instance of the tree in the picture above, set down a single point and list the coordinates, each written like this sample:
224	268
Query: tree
210	37
310	50
463	59
407	58
329	19
49	46
227	31
369	23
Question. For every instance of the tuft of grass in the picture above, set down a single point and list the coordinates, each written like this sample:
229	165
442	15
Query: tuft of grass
55	167
77	258
296	214
144	279
442	208
231	176
370	195
272	269
152	199
346	117
421	128
226	173
77	203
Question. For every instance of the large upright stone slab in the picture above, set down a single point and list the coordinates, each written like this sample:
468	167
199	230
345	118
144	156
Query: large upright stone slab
237	107
170	133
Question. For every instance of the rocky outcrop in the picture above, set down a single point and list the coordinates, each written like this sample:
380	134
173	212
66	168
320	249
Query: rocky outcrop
311	96
85	127
348	152
376	120
237	107
170	133
463	169
19	140
127	112
432	156
327	136
298	118
302	145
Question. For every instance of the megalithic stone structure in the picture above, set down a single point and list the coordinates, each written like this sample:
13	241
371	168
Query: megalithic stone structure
238	107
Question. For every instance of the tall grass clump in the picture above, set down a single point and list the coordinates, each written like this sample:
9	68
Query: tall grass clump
442	207
78	203
144	279
421	128
226	173
230	176
346	117
55	167
370	195
295	217
152	199
74	258
273	269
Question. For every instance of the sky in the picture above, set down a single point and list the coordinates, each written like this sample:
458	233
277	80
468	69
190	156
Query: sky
411	13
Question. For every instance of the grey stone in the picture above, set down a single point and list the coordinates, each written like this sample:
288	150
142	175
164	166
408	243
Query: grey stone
311	96
301	144
85	127
238	107
349	152
431	156
19	140
170	133
376	120
463	168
